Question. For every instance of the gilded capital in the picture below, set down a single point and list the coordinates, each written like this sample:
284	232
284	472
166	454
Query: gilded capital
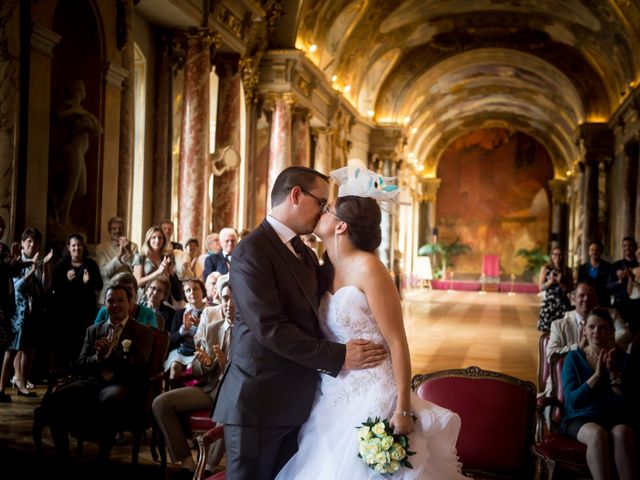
429	189
559	191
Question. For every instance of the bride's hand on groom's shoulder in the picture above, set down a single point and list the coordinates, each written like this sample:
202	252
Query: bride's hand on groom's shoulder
363	354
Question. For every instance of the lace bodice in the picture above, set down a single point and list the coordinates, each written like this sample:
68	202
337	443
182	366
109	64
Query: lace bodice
346	316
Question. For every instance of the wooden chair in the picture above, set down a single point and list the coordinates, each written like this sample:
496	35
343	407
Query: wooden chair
497	413
543	363
554	450
204	442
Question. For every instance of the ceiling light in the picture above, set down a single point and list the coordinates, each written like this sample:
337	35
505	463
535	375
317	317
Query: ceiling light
370	113
414	130
569	173
347	88
313	48
406	120
334	78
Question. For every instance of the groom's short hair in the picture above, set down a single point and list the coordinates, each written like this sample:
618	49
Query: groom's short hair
290	177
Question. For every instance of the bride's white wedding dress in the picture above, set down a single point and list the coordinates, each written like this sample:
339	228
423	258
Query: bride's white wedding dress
328	441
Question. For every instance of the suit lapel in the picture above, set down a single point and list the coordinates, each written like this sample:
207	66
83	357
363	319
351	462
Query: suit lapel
293	263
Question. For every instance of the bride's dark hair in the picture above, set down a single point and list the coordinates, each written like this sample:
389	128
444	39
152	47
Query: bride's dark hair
362	216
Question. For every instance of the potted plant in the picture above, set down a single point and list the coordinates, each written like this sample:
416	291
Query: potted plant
446	251
535	259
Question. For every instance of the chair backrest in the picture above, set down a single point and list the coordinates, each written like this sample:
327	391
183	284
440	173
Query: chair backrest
497	413
543	363
557	390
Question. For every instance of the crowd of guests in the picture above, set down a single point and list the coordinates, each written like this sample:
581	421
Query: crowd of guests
95	318
595	325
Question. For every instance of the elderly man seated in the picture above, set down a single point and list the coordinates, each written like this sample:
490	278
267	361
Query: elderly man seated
567	333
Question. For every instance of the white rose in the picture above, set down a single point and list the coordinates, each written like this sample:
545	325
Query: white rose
126	345
364	432
379	429
379	468
397	452
374	445
394	466
383	457
362	450
370	459
386	442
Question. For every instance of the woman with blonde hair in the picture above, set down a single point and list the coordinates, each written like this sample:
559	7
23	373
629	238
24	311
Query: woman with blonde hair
154	260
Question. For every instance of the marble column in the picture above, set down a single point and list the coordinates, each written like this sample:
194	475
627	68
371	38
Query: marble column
589	205
9	95
559	201
629	190
300	137
428	194
127	130
226	187
161	198
322	149
280	138
194	137
34	194
112	77
385	251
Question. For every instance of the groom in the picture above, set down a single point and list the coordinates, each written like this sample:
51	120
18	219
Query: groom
277	349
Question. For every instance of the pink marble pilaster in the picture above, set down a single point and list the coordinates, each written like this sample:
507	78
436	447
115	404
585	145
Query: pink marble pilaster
194	138
300	136
226	187
280	138
322	150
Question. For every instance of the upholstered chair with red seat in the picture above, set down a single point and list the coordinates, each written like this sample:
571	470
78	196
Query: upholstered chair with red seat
543	364
498	417
554	450
204	441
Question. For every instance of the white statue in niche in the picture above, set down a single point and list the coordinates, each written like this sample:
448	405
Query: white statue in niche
79	123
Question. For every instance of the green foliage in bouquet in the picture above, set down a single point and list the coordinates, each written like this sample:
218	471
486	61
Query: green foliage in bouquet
381	449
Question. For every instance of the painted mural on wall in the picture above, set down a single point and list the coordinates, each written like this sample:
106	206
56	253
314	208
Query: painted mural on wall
493	197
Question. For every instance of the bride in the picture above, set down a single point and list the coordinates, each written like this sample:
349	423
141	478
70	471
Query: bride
361	301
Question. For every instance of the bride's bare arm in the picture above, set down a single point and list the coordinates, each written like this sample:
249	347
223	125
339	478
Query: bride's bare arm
384	302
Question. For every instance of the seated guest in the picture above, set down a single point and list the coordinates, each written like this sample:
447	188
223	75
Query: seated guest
115	255
184	325
598	271
596	410
222	311
568	333
157	292
556	281
621	275
208	365
187	265
212	244
76	281
139	313
167	228
220	262
633	289
212	292
154	260
113	378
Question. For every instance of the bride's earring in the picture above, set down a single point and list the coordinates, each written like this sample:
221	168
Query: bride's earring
335	245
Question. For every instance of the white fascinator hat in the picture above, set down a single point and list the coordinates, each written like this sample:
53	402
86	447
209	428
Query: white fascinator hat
356	179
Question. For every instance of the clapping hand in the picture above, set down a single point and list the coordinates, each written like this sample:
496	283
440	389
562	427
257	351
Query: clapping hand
220	355
124	253
102	346
610	361
85	276
71	274
48	258
203	357
189	319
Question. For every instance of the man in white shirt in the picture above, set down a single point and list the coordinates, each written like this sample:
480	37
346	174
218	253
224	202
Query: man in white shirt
567	332
115	255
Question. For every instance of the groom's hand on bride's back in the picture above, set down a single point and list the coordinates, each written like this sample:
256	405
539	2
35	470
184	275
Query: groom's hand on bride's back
363	354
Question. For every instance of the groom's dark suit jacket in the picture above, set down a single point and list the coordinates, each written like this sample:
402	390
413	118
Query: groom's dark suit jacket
276	349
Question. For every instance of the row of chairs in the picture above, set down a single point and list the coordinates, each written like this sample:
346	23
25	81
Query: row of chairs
503	429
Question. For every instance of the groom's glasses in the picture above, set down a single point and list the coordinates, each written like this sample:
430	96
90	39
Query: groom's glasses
322	203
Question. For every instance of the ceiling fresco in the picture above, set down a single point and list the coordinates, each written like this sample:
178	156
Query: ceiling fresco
447	67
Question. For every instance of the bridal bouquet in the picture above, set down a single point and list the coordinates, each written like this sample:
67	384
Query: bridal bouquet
381	449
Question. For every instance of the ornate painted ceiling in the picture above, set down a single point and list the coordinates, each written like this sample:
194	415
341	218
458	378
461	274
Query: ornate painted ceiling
446	67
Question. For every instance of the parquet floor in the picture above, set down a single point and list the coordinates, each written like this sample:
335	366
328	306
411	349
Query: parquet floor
492	331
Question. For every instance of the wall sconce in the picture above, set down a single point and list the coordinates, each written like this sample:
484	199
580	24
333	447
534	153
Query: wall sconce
224	160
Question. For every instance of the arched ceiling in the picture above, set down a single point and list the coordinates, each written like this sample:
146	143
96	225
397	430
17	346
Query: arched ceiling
445	67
